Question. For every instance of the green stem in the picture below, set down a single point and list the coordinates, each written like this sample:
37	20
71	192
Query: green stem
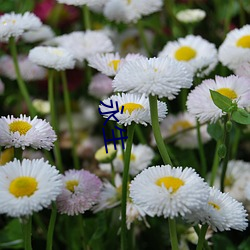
203	170
27	229
215	164
86	17
18	153
156	130
143	37
202	237
82	227
50	233
127	155
226	158
140	135
236	142
54	120
66	96
205	244
173	235
21	84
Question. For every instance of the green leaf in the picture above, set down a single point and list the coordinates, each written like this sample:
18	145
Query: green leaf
215	130
11	236
241	116
222	102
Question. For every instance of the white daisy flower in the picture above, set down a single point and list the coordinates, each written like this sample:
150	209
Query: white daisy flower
14	25
197	53
29	70
247	191
177	124
26	132
130	11
141	157
130	108
200	103
85	44
28	186
243	69
110	195
129	41
110	63
221	212
191	15
42	106
235	49
51	57
89	3
169	192
133	213
236	179
156	76
42	34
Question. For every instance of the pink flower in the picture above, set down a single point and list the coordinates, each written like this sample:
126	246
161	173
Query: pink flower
80	192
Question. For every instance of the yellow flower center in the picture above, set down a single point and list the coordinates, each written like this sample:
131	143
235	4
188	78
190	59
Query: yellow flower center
20	126
57	52
244	42
114	64
214	205
23	186
229	181
132	157
6	156
185	53
180	125
70	185
130	107
170	182
227	92
13	21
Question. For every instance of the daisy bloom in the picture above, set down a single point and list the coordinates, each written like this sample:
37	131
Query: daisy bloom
103	157
200	103
130	11
221	212
85	44
51	57
156	76
243	69
191	15
28	186
129	41
135	109
169	192
42	34
133	213
141	157
80	192
26	132
90	3
41	106
110	63
236	179
197	53
14	25
100	86
175	125
29	70
110	195
235	49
